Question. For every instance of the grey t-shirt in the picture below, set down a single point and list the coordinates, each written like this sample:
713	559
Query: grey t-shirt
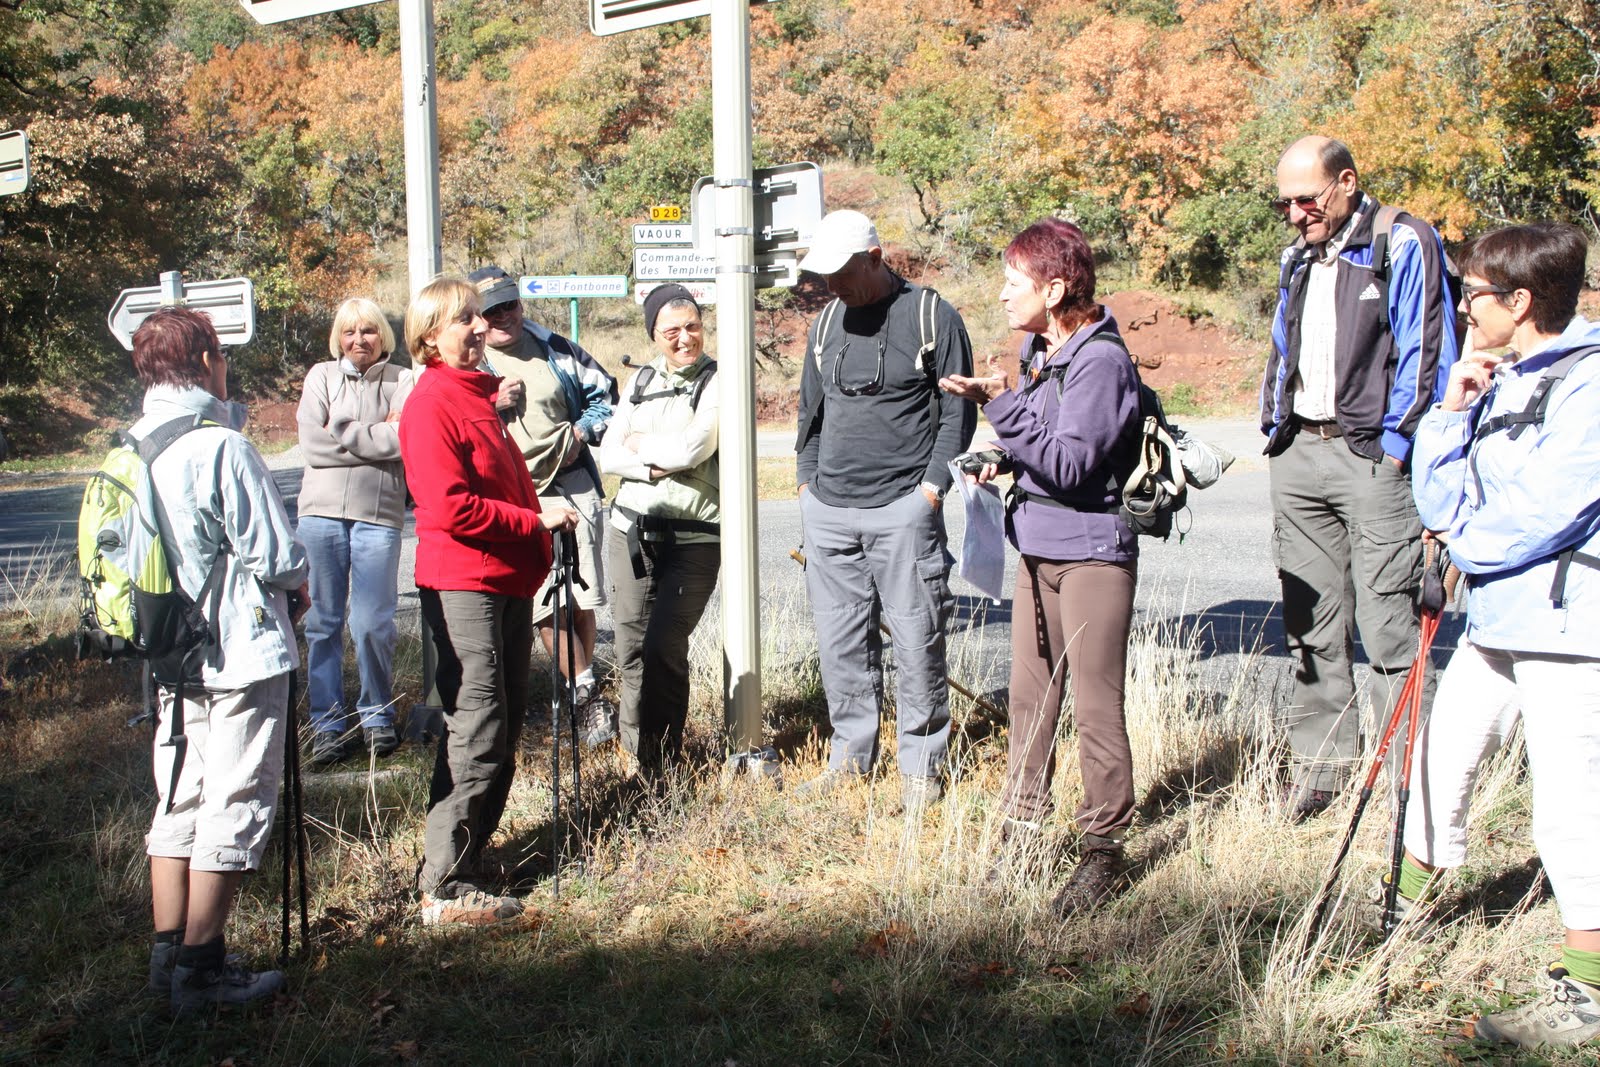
869	450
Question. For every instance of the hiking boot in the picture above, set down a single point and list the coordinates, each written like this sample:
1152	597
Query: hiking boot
195	988
1567	1014
163	957
597	719
919	792
1020	854
1101	872
329	748
469	907
825	784
1306	804
1406	910
381	740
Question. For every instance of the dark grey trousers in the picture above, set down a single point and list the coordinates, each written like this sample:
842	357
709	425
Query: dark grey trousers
485	644
653	617
859	560
1348	544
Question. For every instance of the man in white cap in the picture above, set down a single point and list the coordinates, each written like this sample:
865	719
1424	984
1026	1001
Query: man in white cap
556	402
876	438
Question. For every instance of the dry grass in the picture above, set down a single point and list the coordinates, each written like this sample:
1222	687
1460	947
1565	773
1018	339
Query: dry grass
722	921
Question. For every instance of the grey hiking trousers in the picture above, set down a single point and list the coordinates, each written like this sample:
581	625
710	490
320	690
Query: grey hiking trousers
1347	541
860	561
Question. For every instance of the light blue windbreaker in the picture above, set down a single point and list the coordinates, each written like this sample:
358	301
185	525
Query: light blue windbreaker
1541	496
226	512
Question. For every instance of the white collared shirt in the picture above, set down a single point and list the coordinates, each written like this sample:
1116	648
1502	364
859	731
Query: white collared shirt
1316	383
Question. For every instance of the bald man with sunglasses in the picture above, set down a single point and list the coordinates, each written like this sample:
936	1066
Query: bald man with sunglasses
1362	345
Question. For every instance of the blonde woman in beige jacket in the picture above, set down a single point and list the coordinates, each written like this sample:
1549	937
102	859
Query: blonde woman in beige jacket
352	506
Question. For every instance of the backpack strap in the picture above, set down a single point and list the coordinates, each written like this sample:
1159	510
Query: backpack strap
824	321
647	374
1383	221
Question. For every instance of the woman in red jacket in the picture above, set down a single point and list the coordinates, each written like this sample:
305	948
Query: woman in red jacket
483	548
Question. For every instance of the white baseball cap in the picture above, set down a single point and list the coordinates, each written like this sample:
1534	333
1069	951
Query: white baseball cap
840	235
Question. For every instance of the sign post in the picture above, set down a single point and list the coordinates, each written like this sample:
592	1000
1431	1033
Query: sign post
424	256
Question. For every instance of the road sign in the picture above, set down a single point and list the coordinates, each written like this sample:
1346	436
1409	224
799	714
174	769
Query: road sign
648	234
15	172
788	206
269	11
230	304
571	286
704	293
666	213
617	16
672	265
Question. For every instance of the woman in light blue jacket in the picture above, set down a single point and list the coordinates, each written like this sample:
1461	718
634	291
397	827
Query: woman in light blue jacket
1507	474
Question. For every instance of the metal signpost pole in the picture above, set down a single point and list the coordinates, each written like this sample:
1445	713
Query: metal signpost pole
424	256
735	248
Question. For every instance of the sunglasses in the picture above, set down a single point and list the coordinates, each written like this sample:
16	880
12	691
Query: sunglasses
1469	293
502	309
872	388
1282	204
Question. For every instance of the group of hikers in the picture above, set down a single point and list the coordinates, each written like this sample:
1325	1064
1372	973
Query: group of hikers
1386	428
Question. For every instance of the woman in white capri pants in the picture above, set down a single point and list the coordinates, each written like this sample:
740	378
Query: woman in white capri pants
1515	494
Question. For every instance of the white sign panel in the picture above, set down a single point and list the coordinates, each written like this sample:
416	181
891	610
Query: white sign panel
14	169
672	265
270	11
571	286
618	16
704	293
660	233
230	304
787	201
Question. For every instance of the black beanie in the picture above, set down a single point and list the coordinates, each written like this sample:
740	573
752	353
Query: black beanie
660	297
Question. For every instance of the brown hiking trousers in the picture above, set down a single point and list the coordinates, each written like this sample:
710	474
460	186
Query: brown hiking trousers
1071	621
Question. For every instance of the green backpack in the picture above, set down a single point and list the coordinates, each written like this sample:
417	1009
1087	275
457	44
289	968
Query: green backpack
130	602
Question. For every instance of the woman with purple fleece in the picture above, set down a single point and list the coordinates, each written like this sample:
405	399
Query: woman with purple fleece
1069	434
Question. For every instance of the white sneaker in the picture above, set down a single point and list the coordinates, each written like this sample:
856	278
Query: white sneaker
472	907
1567	1014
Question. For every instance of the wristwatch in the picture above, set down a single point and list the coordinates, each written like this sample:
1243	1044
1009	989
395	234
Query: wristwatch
929	487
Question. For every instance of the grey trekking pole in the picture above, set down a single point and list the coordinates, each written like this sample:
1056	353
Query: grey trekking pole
569	628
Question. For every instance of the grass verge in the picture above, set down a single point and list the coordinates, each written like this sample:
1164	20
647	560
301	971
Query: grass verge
725	922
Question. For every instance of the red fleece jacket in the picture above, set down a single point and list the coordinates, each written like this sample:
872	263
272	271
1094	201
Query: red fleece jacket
477	512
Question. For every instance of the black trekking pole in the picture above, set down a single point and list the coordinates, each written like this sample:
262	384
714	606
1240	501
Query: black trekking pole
293	825
1436	593
569	627
555	728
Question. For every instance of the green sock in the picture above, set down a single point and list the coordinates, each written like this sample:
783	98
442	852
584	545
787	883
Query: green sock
1414	881
1582	966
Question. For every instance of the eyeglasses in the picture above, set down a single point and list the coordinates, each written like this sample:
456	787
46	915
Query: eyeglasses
502	309
670	334
1281	204
1469	293
872	388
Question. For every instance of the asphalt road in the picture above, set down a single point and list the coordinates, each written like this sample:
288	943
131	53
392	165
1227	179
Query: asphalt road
1216	586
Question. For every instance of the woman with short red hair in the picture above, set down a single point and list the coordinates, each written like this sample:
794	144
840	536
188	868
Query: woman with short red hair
234	553
1069	433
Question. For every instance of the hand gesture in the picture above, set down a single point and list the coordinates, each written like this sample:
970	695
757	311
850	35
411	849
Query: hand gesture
556	519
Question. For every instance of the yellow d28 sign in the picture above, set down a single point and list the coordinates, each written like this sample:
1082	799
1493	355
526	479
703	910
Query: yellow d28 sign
666	213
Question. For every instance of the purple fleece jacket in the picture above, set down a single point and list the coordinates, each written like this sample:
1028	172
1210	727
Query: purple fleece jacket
1071	439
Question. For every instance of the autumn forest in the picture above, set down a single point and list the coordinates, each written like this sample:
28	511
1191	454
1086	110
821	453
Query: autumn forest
177	132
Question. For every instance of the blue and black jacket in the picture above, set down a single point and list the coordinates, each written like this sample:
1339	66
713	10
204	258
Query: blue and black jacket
1395	343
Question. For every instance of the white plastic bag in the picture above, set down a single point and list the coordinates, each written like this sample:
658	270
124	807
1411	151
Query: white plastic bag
982	561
